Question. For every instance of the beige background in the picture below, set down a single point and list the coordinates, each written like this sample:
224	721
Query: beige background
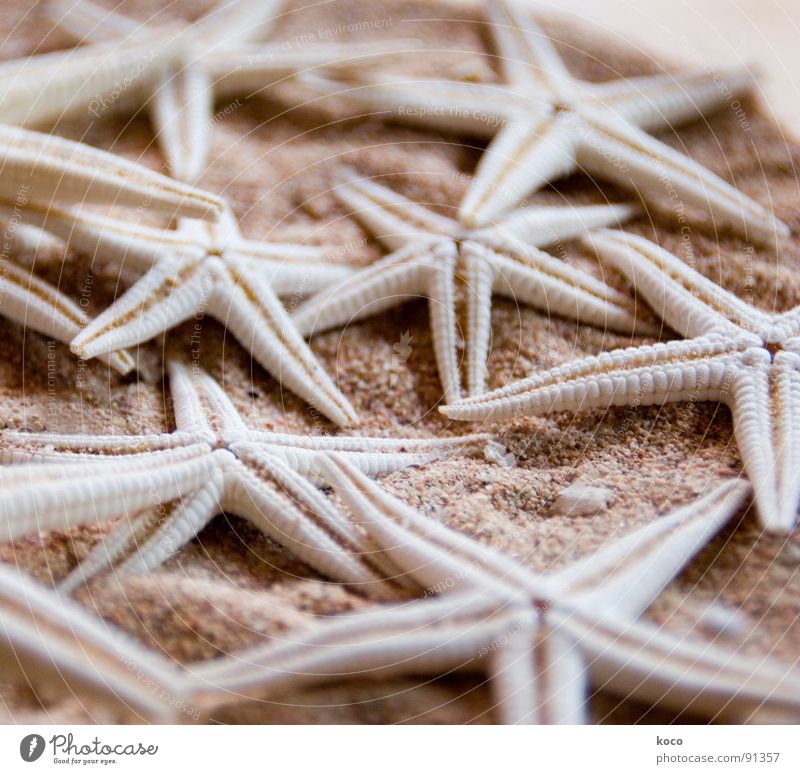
764	34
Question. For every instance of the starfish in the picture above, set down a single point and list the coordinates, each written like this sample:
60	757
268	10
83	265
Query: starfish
734	353
167	487
544	123
60	650
40	171
541	637
206	268
214	56
431	250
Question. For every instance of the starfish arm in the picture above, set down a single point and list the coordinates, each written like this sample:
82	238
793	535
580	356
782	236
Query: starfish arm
182	113
196	397
654	102
396	278
298	278
253	494
444	320
372	456
252	312
109	550
538	677
525	154
105	238
165	296
251	69
53	170
28	243
698	369
532	277
56	496
424	637
37	305
527	55
186	521
686	300
616	151
53	643
765	401
390	217
473	108
541	226
786	410
46	447
437	558
627	576
635	657
62	85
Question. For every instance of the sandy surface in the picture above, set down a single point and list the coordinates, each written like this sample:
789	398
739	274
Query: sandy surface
233	587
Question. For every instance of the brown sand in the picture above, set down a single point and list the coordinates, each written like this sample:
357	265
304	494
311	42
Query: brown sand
233	587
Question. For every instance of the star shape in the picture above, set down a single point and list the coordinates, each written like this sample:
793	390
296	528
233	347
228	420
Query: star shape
203	269
166	487
215	56
62	652
544	124
39	172
542	638
733	353
431	251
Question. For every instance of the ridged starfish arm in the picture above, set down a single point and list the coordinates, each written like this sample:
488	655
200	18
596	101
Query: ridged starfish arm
56	647
698	369
256	67
654	102
44	170
64	84
35	304
537	279
431	250
426	270
57	496
615	150
687	301
636	658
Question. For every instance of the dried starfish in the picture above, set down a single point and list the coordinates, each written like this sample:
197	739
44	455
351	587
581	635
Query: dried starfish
431	250
734	353
544	123
59	649
167	487
40	171
214	56
206	268
541	637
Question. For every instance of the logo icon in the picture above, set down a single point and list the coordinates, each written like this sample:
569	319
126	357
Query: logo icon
31	747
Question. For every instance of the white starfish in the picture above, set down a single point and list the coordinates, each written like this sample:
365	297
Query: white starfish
206	268
542	638
544	123
40	171
734	353
214	56
167	487
58	649
431	250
